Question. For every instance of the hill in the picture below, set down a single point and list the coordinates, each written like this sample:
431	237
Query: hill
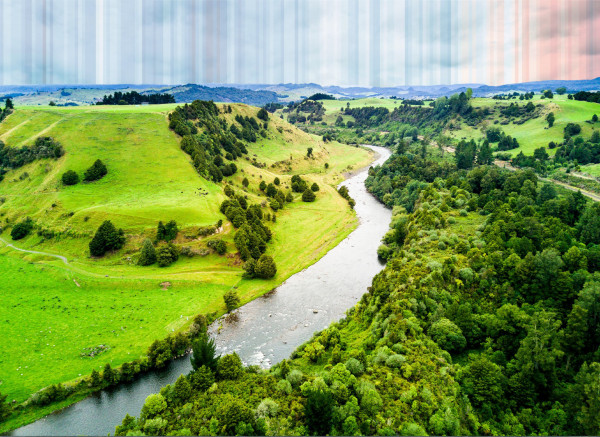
87	302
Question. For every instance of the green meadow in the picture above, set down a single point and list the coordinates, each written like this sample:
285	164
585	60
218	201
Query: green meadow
53	312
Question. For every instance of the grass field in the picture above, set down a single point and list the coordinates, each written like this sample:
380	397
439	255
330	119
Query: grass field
51	311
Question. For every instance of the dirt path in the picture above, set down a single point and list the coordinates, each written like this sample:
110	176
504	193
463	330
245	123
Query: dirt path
6	134
62	258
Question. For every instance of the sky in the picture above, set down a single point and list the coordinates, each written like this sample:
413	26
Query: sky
329	42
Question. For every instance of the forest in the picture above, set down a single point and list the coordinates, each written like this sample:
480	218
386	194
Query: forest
135	98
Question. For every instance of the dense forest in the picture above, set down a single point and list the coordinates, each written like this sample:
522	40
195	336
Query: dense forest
135	98
485	320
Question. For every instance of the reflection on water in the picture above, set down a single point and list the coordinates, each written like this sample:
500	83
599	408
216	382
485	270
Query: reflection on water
262	332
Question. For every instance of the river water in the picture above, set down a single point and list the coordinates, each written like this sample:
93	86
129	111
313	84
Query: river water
264	331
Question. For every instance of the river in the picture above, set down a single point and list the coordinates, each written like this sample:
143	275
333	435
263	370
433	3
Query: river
264	331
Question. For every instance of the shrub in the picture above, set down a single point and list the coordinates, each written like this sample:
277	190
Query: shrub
22	229
107	238
218	245
97	171
276	181
384	252
148	254
232	300
308	196
245	182
314	187
70	178
167	255
230	367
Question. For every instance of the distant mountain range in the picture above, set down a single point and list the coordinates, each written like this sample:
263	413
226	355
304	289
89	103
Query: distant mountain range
260	94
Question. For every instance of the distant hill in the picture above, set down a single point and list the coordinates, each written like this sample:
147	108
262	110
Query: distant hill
191	92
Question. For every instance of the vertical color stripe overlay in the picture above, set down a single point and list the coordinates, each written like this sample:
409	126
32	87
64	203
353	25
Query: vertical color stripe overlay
330	42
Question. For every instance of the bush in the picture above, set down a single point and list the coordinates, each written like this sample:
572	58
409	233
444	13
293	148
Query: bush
218	245
265	267
97	171
202	378
107	238
395	361
22	229
167	255
308	196
70	178
319	412
314	187
232	300
267	408
148	254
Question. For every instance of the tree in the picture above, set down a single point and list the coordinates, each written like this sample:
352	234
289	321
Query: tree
594	118
154	405
167	255
97	171
560	90
263	114
204	353
230	367
109	375
95	378
265	267
309	152
314	187
171	231
107	238
182	390
550	119
9	104
21	229
148	253
308	196
485	157
276	181
245	182
548	94
70	178
318	412
262	186
449	336
232	300
589	224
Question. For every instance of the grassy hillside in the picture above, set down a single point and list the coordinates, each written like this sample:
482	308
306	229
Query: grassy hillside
535	133
110	300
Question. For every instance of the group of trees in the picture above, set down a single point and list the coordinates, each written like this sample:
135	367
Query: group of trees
206	137
8	108
97	171
16	157
135	98
587	96
107	238
251	237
